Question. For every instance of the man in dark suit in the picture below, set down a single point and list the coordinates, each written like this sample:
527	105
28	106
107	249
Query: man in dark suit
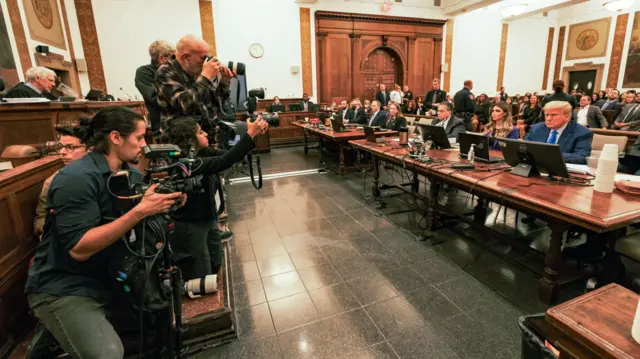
343	113
434	97
161	52
628	114
559	95
39	82
503	95
588	115
383	97
574	139
452	125
306	103
378	116
356	113
611	102
463	103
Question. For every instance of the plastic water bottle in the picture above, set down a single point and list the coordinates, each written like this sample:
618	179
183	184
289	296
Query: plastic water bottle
471	156
607	167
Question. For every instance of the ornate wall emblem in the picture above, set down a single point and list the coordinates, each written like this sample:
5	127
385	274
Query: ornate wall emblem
587	39
44	12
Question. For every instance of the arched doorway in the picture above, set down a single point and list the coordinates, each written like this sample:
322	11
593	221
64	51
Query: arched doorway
382	66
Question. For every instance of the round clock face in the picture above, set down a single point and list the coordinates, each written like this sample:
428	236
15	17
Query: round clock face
256	50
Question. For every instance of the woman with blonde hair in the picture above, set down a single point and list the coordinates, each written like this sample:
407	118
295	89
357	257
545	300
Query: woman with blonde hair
500	124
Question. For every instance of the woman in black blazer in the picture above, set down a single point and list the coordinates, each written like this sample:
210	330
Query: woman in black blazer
530	116
395	120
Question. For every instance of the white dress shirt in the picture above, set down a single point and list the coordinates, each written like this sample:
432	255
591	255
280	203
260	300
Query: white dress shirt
443	123
560	130
396	96
582	115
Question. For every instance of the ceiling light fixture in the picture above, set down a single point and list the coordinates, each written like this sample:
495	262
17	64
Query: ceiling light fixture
513	10
618	5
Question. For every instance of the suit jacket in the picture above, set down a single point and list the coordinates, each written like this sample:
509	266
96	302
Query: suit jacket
575	141
441	96
309	103
531	116
344	114
611	107
145	75
395	124
357	116
633	120
21	90
595	118
383	98
454	126
379	119
560	96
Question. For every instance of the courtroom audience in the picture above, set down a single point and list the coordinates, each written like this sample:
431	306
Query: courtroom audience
482	112
573	138
39	81
435	96
378	116
411	108
508	101
531	113
452	124
503	95
629	117
588	115
408	95
524	102
595	98
71	146
343	111
396	95
500	124
367	107
559	95
395	120
383	96
356	113
610	101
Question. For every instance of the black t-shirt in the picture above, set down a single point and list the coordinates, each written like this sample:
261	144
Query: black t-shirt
78	200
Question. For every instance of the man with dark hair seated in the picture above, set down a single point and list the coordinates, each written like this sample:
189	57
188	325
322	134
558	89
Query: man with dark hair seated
574	139
452	125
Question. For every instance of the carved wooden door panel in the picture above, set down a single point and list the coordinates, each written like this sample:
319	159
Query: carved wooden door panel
380	67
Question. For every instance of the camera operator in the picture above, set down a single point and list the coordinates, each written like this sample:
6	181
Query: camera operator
190	84
68	285
196	240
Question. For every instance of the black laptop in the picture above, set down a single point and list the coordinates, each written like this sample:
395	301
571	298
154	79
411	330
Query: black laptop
436	134
370	134
338	125
481	144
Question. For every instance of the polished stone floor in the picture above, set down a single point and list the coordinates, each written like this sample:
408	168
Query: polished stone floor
318	272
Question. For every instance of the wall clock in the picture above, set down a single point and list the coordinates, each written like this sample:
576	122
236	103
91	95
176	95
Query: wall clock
256	50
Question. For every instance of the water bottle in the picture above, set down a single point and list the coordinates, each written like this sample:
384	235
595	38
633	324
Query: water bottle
471	156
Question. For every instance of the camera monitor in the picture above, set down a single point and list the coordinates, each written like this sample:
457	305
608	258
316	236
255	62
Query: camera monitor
93	95
295	107
532	158
481	146
337	125
436	134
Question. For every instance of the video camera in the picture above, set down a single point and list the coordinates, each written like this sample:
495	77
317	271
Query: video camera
252	104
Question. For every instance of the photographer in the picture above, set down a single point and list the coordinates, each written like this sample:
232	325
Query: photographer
196	241
68	286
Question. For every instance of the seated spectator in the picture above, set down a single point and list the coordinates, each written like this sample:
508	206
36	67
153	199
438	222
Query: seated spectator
610	102
396	95
411	108
449	99
500	124
276	106
629	117
517	98
356	113
496	99
72	144
588	115
503	94
367	107
378	116
574	139
395	120
531	113
343	110
39	82
482	113
306	102
595	98
524	103
509	101
421	108
452	125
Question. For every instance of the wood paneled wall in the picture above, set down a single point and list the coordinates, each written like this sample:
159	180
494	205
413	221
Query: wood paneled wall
345	41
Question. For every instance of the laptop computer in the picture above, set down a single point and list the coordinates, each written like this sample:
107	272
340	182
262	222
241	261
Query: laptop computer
481	144
436	134
370	134
338	125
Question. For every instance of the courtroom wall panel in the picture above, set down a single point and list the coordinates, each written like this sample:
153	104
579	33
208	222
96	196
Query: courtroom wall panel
355	53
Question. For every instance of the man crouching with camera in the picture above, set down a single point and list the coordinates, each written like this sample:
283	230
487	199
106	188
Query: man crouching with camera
69	285
195	242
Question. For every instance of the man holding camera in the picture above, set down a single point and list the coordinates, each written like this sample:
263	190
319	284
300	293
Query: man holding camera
69	284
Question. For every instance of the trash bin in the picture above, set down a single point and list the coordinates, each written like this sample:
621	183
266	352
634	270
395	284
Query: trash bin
532	345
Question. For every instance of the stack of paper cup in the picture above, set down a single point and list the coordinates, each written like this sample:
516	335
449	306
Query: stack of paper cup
635	329
606	171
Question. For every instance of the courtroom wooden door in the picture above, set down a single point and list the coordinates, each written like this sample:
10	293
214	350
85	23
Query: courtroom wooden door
382	66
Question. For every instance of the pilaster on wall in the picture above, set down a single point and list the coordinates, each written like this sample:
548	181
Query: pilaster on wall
616	51
19	35
503	52
90	44
547	60
559	53
447	55
207	25
305	46
73	72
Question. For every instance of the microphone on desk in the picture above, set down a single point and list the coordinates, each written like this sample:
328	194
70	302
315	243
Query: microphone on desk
126	93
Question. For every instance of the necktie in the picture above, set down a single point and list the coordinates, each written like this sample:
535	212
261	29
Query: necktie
553	138
606	104
631	111
435	96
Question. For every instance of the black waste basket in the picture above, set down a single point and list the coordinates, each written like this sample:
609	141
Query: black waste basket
533	346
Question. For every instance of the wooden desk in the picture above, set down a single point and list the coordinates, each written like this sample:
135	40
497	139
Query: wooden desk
19	191
595	325
340	138
22	124
632	135
560	205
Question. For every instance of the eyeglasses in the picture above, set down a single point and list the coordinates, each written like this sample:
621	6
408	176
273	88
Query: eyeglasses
69	148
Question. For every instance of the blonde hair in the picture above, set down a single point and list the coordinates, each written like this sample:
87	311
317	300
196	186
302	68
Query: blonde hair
38	72
160	47
507	121
392	103
565	106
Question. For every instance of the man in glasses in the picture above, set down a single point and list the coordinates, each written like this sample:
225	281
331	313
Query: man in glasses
71	146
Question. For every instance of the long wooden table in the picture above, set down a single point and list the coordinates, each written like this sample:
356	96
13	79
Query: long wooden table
562	206
341	139
595	325
22	124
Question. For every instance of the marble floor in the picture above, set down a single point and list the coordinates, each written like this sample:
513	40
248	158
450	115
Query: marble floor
318	272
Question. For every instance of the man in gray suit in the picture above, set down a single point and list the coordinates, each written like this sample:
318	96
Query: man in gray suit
629	117
588	115
378	116
452	125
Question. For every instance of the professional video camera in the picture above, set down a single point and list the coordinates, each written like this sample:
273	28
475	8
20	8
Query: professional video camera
252	104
